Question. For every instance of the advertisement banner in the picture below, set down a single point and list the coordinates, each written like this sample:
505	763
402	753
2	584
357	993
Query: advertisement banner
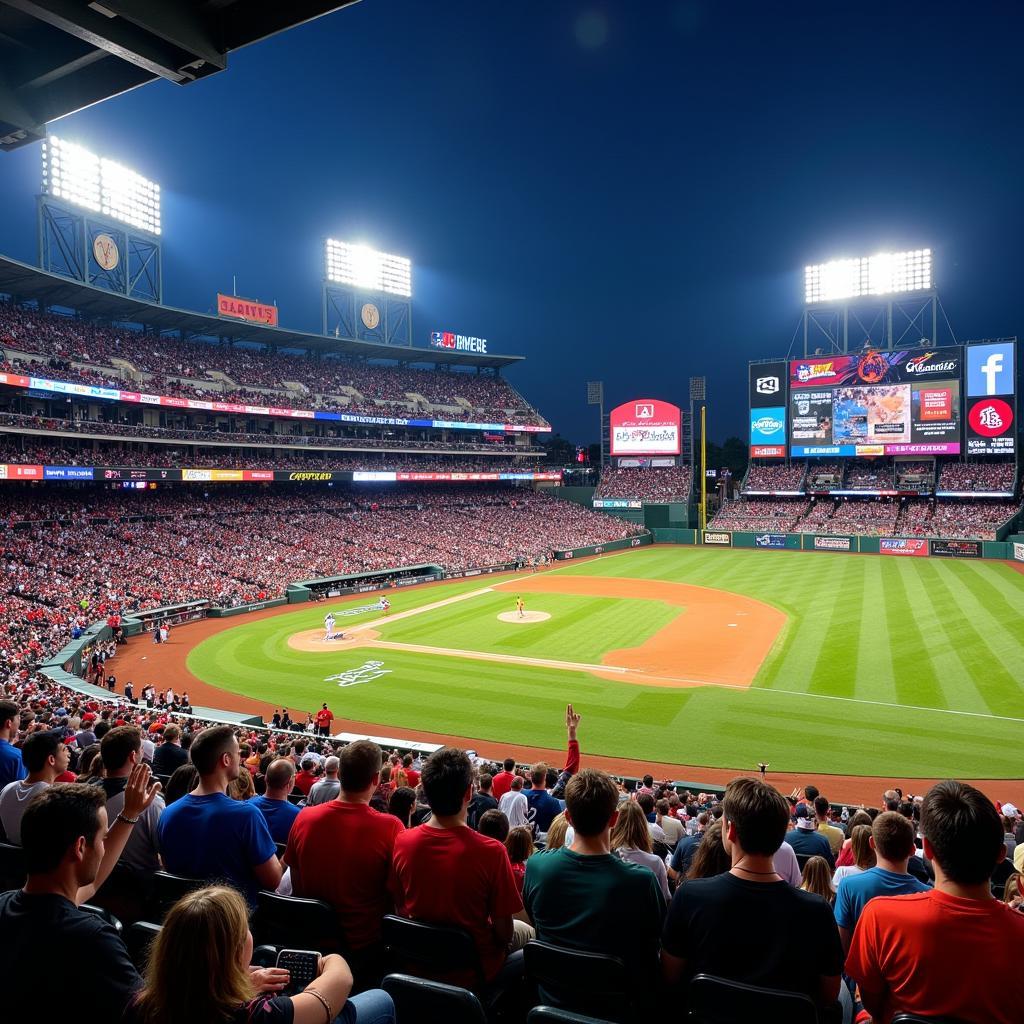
246	309
717	538
956	548
770	540
768	426
768	451
831	543
617	503
990	426
1018	551
903	546
67	472
133	473
876	368
990	370
20	472
309	476
767	385
645	426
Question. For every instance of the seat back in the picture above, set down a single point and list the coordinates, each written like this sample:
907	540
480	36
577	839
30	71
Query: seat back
714	1000
429	949
138	938
802	859
168	889
916	1018
552	1015
292	923
12	867
576	980
424	1000
104	915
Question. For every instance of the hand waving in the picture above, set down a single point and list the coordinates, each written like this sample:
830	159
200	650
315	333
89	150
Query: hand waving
140	792
572	720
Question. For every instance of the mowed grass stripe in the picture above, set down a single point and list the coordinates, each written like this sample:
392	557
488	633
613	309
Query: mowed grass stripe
835	669
874	678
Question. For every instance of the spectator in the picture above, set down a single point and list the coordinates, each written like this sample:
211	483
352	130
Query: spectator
402	804
324	718
585	897
11	767
834	835
208	835
482	801
944	952
749	925
445	873
199	970
711	857
817	878
631	840
805	840
183	781
494	825
169	756
341	852
670	826
542	807
69	853
892	839
685	849
306	778
519	845
503	780
859	817
277	810
45	758
863	854
411	774
514	805
558	834
328	787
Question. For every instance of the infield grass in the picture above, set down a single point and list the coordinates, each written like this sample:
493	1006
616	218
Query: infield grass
887	666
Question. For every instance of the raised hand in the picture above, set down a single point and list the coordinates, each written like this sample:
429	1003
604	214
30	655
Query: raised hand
140	792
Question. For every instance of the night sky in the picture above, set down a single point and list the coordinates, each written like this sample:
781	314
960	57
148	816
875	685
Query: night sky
625	191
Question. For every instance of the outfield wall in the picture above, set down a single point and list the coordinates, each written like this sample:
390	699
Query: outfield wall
915	547
601	549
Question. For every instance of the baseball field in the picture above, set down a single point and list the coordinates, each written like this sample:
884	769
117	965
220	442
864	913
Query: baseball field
812	662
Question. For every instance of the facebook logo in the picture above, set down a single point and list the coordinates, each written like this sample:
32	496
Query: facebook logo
990	370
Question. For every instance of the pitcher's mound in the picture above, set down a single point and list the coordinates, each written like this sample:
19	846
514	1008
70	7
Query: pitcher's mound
525	617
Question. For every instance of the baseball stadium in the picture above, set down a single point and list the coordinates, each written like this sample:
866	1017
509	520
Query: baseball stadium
364	535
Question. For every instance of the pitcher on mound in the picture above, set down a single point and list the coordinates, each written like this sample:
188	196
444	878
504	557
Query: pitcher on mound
520	607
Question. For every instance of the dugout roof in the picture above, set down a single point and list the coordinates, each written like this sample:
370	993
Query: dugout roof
25	282
59	56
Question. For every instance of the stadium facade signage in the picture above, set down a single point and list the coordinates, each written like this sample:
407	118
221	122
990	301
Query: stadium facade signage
311	476
776	494
249	310
717	538
769	540
645	426
617	503
1018	551
20	472
391	476
956	548
43	384
832	544
768	451
68	472
911	546
457	342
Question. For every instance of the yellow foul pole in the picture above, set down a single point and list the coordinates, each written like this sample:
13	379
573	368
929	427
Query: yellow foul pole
703	470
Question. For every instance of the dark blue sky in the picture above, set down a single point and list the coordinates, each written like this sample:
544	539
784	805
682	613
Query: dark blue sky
625	191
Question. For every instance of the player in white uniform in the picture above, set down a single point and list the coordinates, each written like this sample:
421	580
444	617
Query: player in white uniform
329	626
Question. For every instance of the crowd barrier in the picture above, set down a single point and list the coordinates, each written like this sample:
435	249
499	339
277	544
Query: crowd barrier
600	549
919	547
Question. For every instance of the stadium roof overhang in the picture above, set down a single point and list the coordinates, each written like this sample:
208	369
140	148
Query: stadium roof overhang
59	56
26	282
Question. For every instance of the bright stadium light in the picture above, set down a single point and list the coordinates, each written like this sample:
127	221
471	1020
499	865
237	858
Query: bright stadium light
72	173
882	274
363	267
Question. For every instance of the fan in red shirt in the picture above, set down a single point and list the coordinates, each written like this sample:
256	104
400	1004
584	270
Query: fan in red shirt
947	952
340	852
324	717
443	872
305	779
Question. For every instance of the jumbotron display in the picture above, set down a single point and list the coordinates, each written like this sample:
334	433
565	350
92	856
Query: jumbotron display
942	401
645	426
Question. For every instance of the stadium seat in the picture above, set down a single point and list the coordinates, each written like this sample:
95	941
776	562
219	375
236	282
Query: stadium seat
292	923
432	949
138	938
715	1000
551	1015
579	981
914	1018
104	915
281	847
802	859
170	888
421	999
12	867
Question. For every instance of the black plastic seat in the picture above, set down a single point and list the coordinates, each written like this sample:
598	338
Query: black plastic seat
426	1000
714	1000
552	1015
429	950
579	981
289	922
12	867
916	1018
802	859
104	915
168	889
138	938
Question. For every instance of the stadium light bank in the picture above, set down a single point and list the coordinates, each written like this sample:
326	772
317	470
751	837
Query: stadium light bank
885	273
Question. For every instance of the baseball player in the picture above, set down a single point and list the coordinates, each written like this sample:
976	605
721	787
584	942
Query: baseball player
520	606
329	626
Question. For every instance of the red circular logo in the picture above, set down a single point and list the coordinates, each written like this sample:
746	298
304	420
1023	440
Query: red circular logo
990	417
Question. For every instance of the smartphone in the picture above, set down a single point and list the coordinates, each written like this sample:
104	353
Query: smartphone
302	966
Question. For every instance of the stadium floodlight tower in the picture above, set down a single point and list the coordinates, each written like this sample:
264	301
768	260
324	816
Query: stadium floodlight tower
99	222
366	294
883	301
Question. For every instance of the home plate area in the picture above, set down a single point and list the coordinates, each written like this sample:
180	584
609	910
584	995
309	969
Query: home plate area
525	617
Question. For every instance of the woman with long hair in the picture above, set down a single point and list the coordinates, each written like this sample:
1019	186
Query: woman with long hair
557	831
817	878
243	787
401	805
199	972
519	845
711	857
845	857
631	840
183	781
863	855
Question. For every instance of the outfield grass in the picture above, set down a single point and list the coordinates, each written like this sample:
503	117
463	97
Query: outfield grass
887	666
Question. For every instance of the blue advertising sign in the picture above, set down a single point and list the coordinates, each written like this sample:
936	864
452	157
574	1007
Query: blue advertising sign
990	370
770	540
67	472
768	426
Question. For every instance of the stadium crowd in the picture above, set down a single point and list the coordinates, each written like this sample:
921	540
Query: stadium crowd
759	515
766	477
668	483
168	365
867	912
977	476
